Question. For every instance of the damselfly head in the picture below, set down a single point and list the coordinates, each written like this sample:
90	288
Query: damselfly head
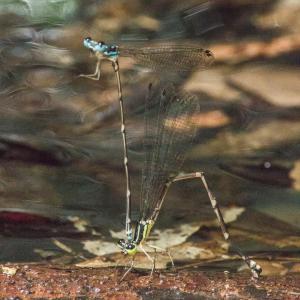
86	40
127	247
88	43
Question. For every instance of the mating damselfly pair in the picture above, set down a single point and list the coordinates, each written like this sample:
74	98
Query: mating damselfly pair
170	128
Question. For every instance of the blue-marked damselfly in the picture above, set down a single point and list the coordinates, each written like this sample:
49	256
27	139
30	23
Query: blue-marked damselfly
173	129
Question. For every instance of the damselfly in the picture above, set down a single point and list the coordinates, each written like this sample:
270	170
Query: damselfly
167	57
173	125
170	120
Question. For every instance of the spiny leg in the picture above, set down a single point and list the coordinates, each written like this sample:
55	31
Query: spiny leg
150	258
129	269
154	262
96	74
163	250
154	259
254	267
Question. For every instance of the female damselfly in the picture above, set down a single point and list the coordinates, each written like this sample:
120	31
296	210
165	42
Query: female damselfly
170	128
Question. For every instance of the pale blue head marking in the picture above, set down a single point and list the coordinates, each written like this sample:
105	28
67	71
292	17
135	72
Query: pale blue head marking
89	43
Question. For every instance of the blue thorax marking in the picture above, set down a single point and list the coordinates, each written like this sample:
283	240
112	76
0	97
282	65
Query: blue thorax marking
100	48
110	51
129	236
137	237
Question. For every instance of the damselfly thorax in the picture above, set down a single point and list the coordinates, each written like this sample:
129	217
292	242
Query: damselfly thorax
141	233
101	50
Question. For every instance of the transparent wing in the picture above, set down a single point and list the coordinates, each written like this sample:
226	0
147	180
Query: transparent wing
169	133
170	57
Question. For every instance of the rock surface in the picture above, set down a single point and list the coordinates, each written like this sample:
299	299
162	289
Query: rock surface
52	282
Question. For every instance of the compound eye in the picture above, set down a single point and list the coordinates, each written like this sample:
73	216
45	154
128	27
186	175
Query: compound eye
208	53
113	48
121	243
130	246
88	39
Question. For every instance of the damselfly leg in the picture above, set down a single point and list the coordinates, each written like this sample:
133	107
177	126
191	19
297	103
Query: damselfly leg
151	259
163	250
254	267
129	269
96	74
